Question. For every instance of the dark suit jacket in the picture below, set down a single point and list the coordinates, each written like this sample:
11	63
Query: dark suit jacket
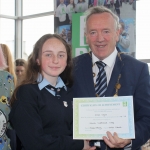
134	81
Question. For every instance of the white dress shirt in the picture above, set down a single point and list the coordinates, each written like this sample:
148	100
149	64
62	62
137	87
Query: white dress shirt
109	61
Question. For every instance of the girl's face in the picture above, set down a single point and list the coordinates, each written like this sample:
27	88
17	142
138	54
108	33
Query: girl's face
20	71
53	59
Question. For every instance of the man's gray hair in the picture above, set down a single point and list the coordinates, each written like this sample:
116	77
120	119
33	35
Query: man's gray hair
100	10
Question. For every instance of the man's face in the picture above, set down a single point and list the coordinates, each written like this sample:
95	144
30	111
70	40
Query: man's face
101	34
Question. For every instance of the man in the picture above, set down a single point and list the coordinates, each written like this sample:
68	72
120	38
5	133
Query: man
102	33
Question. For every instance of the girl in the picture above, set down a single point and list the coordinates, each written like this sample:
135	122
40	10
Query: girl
81	6
71	10
6	89
21	66
42	106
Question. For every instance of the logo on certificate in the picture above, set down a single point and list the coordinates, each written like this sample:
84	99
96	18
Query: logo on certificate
124	104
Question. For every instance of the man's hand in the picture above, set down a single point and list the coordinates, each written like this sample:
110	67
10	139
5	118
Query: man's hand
87	147
113	141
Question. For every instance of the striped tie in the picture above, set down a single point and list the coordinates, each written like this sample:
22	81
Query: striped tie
101	80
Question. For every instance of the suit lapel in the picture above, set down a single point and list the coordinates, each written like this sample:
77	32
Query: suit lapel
114	77
88	75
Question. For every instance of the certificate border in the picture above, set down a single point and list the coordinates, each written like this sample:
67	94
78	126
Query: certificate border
124	99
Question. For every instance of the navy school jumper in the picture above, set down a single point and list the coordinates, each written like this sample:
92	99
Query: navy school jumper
41	120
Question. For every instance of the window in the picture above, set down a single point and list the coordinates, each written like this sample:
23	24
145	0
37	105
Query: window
31	7
149	67
7	7
33	29
7	28
142	30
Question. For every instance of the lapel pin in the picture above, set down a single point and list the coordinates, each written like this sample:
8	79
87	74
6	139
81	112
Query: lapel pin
65	103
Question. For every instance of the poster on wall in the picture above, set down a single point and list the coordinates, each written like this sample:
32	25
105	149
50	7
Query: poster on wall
70	22
79	45
64	9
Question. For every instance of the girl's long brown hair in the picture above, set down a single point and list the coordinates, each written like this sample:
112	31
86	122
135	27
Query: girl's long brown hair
33	69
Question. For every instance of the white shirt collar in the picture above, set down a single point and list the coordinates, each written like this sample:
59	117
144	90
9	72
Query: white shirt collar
109	61
44	83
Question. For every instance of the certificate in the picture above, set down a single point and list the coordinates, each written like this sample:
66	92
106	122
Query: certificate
93	117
